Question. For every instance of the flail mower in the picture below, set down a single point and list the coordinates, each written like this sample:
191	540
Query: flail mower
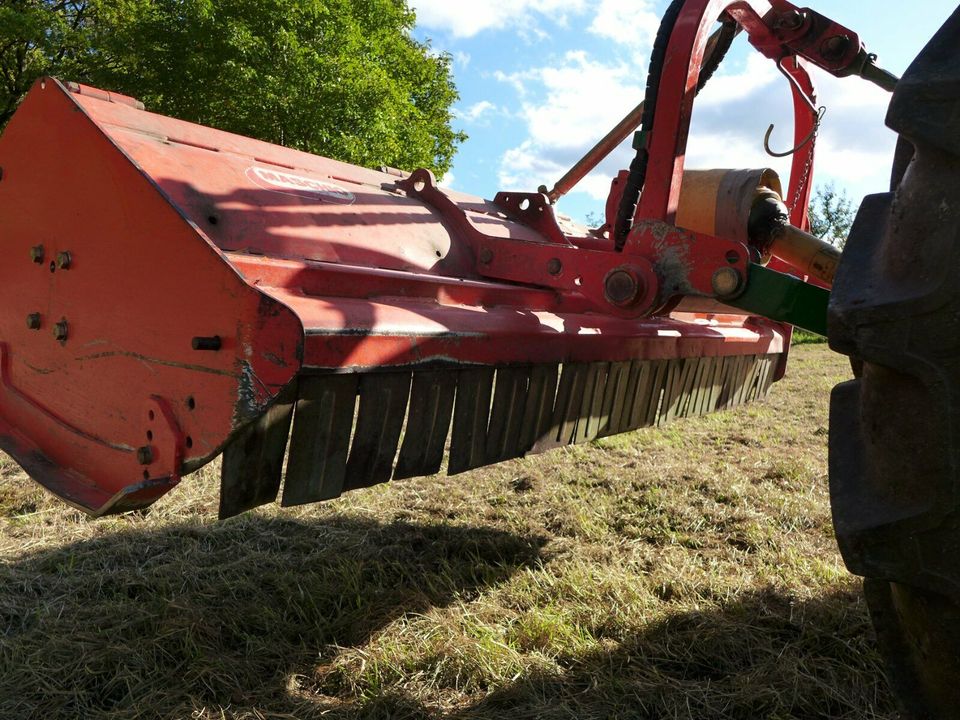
170	293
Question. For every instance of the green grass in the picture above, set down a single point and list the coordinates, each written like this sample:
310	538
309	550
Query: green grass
688	572
803	337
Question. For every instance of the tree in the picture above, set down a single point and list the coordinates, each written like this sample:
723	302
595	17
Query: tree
831	215
35	37
342	78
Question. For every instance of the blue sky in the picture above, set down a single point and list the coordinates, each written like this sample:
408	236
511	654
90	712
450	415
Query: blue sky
542	80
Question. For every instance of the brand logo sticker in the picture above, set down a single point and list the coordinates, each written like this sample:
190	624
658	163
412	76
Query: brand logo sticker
299	186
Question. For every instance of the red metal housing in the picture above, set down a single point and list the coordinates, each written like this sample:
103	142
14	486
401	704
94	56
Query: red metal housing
180	237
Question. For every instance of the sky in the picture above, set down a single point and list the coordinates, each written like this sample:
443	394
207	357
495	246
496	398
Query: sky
542	80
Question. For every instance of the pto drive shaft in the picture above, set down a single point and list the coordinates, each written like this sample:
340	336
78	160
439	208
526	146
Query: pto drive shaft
747	206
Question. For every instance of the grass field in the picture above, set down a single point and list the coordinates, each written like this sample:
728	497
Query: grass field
688	572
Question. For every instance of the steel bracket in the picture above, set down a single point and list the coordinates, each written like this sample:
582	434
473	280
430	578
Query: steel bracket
784	298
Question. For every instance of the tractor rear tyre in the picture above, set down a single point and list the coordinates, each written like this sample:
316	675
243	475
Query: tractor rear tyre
895	429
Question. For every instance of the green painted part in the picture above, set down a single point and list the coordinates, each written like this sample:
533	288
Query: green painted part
784	298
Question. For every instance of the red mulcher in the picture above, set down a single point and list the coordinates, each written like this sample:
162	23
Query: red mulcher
172	292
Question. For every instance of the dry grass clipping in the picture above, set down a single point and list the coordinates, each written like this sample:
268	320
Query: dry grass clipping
688	572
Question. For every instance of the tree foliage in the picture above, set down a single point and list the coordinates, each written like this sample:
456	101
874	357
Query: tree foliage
34	38
831	214
342	78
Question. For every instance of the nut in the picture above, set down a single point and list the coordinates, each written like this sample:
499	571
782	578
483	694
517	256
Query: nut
554	266
63	260
486	256
36	254
34	321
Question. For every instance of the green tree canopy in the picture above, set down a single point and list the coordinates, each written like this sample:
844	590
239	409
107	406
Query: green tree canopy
342	78
831	215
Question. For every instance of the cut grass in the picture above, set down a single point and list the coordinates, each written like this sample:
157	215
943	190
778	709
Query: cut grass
685	572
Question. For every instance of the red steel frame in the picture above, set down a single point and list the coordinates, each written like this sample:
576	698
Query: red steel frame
181	238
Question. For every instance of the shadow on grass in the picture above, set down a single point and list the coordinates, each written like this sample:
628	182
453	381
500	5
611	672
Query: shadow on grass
762	655
157	623
163	623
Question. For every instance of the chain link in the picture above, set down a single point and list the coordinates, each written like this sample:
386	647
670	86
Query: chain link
808	166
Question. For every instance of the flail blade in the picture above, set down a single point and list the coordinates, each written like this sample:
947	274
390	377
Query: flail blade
317	467
383	407
253	463
431	409
347	427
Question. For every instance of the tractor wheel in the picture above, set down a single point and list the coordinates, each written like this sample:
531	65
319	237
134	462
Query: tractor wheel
895	429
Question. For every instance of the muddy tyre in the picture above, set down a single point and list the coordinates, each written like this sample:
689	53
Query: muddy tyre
895	429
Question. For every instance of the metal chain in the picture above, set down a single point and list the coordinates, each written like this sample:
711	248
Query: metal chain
808	166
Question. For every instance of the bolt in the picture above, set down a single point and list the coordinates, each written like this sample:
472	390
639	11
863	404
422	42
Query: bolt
145	455
621	287
34	321
486	256
63	260
60	331
554	266
834	47
791	20
212	344
36	254
726	282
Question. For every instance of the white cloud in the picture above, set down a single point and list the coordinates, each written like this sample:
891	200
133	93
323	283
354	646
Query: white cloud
466	19
568	104
628	22
476	111
517	80
567	107
726	87
854	148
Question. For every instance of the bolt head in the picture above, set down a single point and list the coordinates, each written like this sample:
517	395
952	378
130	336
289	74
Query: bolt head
554	266
63	260
36	254
726	282
61	331
34	321
791	20
834	47
145	455
486	256
621	287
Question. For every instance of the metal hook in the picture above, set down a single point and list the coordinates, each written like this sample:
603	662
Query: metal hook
809	102
813	133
